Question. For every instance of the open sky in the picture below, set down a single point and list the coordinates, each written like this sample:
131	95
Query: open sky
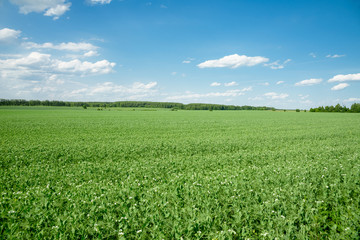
284	54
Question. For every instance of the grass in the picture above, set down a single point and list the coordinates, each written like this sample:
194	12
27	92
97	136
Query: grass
75	173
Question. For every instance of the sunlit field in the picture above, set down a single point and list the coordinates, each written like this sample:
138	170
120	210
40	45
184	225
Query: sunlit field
161	174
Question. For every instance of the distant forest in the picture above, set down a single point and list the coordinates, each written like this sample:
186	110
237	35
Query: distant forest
355	108
338	108
129	104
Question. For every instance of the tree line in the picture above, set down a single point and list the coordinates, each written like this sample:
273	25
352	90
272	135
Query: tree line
129	104
355	108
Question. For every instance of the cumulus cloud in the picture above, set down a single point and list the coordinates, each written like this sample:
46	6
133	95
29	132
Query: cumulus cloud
70	46
313	55
53	8
99	2
335	56
352	100
215	84
340	86
37	63
279	82
77	66
273	95
345	77
277	65
33	59
7	34
230	84
309	82
233	61
57	11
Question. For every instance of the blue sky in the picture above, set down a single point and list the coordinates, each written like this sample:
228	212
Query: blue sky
284	54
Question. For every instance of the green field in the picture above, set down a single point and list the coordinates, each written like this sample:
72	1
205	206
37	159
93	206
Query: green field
75	173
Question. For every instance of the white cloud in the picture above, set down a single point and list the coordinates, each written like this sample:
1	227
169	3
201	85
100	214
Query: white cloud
303	96
196	96
188	60
139	85
352	100
273	95
246	89
230	84
277	65
7	34
133	91
340	86
264	84
53	8
335	56
346	77
279	82
100	1
173	73
233	61
54	87
70	46
37	64
163	6
57	11
91	54
33	59
313	55
46	86
215	84
309	82
77	66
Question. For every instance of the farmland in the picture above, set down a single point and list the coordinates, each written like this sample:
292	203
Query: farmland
160	174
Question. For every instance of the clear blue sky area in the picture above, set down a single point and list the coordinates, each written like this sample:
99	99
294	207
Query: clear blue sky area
284	54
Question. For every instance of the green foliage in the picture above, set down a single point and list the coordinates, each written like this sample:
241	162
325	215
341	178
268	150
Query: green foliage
297	110
84	106
129	104
73	174
355	108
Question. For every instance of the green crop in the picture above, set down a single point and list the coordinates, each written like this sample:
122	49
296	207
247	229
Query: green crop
81	173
